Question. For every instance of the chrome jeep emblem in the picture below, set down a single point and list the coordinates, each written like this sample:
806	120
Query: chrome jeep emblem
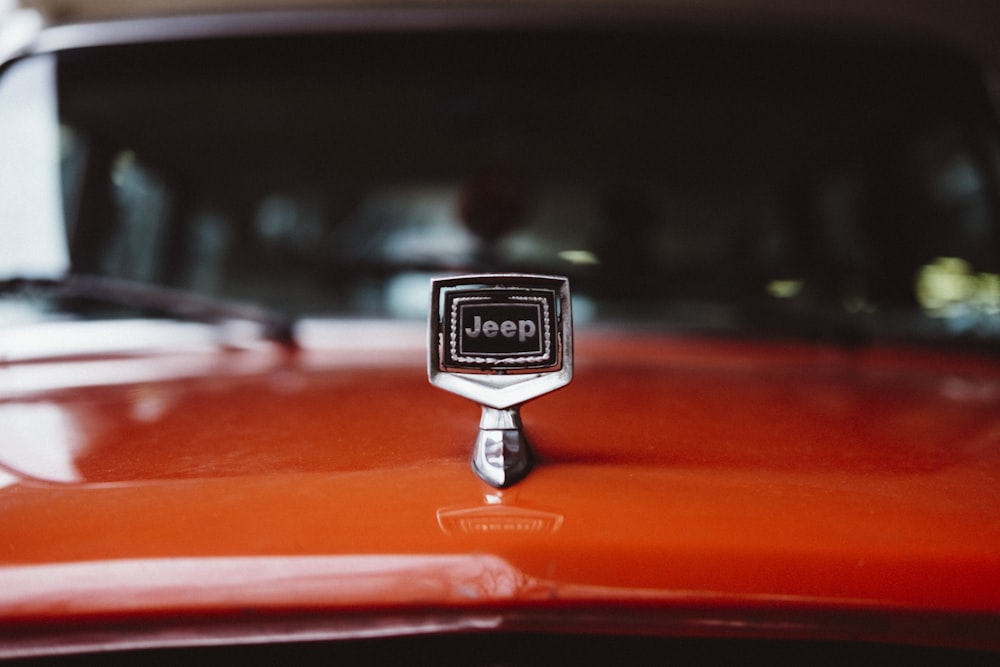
500	340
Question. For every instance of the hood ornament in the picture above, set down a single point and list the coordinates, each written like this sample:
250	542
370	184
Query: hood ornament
500	340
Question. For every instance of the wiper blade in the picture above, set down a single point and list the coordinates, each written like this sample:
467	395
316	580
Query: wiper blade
276	326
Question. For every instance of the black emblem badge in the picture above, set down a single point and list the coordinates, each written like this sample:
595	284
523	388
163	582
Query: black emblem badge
500	330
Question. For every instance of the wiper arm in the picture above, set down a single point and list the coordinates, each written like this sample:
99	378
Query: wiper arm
277	326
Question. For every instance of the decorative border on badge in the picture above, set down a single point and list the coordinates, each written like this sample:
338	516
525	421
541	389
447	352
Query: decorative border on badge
545	357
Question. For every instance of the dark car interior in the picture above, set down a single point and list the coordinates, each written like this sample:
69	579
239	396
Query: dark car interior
730	182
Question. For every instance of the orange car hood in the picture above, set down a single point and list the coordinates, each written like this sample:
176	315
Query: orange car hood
707	487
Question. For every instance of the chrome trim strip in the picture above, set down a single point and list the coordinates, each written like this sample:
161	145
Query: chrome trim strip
970	34
123	31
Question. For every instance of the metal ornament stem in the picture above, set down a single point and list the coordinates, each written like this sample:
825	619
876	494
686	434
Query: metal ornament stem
500	455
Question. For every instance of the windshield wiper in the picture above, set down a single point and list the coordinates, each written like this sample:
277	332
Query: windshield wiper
181	304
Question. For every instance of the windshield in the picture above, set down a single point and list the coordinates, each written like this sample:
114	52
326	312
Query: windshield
729	184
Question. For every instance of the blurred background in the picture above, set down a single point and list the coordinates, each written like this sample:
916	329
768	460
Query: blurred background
810	166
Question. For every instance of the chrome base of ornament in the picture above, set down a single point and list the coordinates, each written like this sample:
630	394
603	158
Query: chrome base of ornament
500	455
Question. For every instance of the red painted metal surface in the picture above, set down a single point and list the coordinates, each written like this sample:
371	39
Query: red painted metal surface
681	487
